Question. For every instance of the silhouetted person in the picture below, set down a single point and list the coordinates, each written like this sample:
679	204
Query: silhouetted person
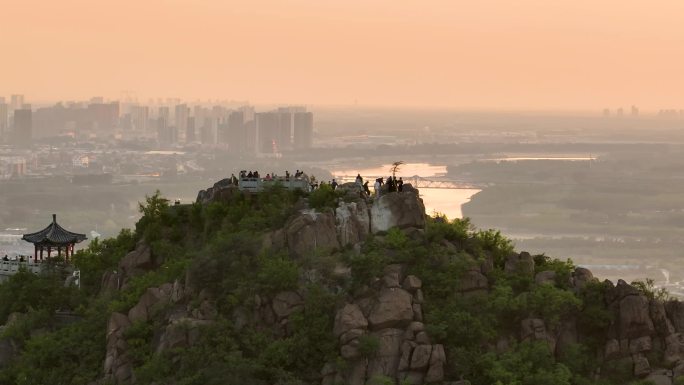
5	258
287	175
366	189
400	185
333	184
256	174
21	259
390	185
250	175
359	179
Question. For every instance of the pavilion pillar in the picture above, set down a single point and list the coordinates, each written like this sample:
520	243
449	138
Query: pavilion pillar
59	251
41	253
49	251
35	252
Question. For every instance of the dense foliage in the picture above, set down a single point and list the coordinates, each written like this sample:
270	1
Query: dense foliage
219	247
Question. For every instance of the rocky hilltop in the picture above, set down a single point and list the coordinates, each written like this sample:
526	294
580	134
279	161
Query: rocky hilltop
332	287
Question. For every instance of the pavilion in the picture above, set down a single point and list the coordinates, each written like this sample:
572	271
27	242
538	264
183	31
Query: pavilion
53	237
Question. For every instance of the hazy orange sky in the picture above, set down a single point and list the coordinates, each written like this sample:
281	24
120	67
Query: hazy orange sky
449	53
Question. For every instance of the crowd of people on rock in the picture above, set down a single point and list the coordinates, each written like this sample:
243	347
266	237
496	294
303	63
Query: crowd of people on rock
244	174
393	184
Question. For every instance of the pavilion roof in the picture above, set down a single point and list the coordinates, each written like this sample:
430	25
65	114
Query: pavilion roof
54	234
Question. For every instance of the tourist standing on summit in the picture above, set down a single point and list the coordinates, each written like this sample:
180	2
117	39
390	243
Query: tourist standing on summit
359	179
365	188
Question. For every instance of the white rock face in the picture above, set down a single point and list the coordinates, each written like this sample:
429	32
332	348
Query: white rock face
396	209
352	222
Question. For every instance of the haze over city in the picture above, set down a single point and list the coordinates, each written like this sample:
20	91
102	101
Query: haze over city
529	54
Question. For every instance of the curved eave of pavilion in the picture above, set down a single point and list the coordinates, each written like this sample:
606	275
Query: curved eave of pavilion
54	234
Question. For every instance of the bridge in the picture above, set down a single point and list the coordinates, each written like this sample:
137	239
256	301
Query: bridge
416	181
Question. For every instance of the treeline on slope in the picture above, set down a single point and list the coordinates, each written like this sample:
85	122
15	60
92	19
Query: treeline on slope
218	249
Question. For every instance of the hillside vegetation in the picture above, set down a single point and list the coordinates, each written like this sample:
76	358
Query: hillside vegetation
214	294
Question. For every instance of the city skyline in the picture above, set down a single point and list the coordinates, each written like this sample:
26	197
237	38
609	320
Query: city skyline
528	54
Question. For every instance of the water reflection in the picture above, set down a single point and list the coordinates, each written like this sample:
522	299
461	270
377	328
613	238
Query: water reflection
445	201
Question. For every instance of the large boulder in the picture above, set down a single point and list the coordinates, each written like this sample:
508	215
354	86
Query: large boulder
222	191
152	297
392	309
117	366
385	361
183	332
633	319
137	262
437	361
660	377
675	312
534	329
658	314
582	276
286	303
522	263
352	221
310	231
348	318
620	291
472	281
397	209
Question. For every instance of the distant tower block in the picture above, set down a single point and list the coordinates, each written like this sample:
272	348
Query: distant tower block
53	238
303	130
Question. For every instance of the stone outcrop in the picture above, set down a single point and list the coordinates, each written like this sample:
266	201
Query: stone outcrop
221	191
352	221
473	281
642	328
389	314
137	262
393	309
117	366
309	231
396	209
152	298
522	263
286	303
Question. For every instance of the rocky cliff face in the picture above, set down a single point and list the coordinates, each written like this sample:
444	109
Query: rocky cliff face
388	269
389	318
354	218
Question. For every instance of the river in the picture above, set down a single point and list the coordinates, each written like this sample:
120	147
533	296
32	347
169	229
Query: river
445	201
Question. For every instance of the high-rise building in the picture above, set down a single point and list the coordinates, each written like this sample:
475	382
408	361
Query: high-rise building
166	135
190	135
285	130
16	102
181	120
4	121
140	117
199	113
303	130
268	132
236	132
23	127
103	116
